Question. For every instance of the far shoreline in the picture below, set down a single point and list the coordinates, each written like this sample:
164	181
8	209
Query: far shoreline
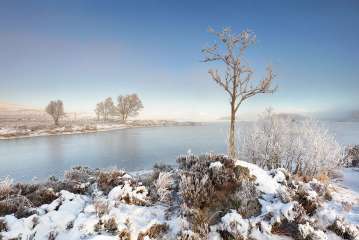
105	128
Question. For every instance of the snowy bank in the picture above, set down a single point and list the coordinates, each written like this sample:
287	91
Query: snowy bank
207	197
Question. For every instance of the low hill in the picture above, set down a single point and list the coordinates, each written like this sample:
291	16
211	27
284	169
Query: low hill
12	107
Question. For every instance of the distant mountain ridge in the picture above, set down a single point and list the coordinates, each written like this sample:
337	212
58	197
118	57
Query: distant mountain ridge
339	115
295	116
10	107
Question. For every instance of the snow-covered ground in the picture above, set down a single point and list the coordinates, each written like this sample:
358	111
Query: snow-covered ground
12	133
127	213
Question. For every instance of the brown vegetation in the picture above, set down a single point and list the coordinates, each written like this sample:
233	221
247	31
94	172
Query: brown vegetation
344	230
110	225
106	180
154	232
125	234
212	184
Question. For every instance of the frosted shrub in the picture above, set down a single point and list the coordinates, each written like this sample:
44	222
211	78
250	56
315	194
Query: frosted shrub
351	158
79	174
347	231
106	180
130	193
101	207
300	146
306	231
5	187
164	185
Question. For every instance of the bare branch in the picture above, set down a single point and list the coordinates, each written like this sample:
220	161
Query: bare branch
223	83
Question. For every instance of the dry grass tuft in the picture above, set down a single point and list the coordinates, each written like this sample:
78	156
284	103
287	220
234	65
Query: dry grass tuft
323	177
165	185
52	235
110	225
154	232
125	234
5	187
101	207
3	225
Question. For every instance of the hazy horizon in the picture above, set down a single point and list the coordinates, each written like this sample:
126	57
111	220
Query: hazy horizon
82	52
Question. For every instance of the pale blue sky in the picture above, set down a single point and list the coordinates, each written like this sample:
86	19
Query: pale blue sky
84	51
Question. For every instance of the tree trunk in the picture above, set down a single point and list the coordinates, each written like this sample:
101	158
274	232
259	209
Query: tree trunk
232	151
56	120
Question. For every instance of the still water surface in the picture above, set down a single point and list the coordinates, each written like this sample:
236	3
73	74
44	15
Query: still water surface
131	149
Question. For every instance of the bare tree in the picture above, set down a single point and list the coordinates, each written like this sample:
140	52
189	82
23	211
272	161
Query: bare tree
109	108
100	110
128	106
237	79
56	110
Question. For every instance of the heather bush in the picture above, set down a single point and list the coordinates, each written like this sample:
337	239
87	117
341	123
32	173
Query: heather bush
210	185
345	230
20	198
79	174
106	180
351	158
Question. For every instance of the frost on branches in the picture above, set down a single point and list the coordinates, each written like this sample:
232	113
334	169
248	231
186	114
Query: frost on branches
301	146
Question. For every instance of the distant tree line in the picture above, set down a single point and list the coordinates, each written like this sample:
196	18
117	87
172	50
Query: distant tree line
127	106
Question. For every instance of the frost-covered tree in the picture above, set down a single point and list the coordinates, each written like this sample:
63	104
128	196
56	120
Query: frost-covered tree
100	110
128	106
237	78
56	110
109	108
301	146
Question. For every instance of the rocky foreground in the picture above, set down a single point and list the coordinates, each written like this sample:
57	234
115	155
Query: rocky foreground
207	197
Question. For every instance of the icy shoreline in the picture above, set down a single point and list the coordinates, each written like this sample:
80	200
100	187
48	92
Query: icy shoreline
8	133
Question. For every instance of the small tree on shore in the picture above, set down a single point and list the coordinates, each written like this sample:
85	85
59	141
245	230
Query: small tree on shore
128	106
100	110
56	110
237	80
109	108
